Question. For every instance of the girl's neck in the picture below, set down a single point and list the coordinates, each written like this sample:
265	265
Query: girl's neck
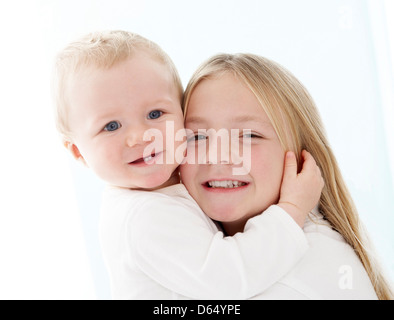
231	228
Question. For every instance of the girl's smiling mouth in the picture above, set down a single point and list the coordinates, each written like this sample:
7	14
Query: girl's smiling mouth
224	185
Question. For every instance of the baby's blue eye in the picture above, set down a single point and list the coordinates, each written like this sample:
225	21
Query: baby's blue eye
155	114
112	126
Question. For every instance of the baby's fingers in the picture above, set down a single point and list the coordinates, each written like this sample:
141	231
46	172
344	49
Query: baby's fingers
311	168
321	180
309	164
290	171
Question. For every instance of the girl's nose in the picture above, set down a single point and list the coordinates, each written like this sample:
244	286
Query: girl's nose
219	149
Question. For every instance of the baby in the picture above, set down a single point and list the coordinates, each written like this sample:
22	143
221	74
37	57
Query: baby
112	90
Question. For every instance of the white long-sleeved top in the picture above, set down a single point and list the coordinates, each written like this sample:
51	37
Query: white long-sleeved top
160	245
330	270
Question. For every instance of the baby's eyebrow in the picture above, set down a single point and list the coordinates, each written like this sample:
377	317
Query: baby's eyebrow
101	119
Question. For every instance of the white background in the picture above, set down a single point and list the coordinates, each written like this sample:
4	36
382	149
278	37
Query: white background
49	205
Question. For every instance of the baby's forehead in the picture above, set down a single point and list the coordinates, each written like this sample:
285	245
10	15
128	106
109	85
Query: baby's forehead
91	68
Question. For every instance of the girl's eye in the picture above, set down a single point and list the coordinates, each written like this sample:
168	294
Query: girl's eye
197	137
250	135
112	126
155	114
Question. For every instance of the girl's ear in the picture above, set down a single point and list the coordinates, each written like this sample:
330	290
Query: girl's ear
74	151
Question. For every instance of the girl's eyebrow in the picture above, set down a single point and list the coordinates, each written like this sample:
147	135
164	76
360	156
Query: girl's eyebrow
238	119
248	118
195	119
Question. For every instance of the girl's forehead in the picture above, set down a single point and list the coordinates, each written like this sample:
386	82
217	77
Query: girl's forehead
224	96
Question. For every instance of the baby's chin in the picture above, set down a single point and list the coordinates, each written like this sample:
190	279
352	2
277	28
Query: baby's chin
157	181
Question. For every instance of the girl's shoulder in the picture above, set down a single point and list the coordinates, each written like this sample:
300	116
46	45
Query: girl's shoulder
316	223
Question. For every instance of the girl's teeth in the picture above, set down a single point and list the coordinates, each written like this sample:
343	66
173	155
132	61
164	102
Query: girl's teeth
226	184
148	158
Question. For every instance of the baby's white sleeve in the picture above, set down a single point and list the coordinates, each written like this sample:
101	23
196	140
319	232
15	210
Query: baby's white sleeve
177	248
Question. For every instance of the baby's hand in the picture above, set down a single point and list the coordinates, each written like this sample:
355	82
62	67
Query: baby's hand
300	193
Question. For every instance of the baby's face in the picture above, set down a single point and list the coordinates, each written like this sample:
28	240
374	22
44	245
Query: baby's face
110	112
226	103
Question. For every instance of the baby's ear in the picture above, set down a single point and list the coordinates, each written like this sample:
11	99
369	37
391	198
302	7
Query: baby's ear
74	151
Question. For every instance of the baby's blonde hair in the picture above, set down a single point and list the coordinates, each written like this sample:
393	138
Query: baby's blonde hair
100	50
297	123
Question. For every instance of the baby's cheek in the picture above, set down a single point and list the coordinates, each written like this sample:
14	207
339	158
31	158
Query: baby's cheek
110	156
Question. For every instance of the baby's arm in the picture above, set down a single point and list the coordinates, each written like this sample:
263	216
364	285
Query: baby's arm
300	192
177	248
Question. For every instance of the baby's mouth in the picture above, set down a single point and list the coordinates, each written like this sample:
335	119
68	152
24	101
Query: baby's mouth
145	159
225	184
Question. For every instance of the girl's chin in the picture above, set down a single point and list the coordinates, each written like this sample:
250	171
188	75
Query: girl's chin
224	214
229	214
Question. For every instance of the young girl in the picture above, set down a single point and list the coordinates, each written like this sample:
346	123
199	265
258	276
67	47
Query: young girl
247	91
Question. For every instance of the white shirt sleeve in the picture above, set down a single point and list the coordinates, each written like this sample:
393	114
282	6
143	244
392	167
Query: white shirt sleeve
176	248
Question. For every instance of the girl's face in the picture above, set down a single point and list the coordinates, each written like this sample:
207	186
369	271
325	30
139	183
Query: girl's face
226	103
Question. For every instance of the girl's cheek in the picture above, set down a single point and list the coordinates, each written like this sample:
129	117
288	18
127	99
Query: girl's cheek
188	174
195	154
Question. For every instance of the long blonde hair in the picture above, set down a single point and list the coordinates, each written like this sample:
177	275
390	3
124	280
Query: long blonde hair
297	123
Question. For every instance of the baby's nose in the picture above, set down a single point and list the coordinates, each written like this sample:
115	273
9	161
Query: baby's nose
135	136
